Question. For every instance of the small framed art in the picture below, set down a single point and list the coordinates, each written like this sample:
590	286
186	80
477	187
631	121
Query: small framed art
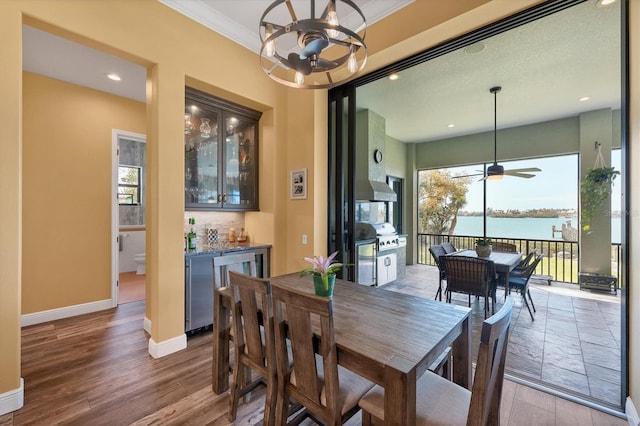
299	184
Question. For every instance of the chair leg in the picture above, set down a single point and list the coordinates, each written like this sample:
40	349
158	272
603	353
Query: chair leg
532	305
366	418
524	298
439	292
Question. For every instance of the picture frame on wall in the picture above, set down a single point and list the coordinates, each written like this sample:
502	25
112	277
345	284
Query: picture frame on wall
298	184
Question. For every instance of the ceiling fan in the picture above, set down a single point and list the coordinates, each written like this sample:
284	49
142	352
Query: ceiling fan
496	171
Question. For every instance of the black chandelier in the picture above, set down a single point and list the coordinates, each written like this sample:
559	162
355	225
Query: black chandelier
313	53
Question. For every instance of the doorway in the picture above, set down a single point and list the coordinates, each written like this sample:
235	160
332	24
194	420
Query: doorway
128	268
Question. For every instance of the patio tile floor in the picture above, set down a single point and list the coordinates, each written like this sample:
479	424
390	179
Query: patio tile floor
572	346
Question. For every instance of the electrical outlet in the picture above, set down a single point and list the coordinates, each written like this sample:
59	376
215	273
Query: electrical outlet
304	239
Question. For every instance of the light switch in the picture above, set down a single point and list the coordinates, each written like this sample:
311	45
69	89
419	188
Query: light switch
304	239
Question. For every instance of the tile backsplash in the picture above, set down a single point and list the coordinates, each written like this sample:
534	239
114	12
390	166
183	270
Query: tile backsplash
222	221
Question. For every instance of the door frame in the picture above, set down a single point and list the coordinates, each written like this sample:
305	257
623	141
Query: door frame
116	135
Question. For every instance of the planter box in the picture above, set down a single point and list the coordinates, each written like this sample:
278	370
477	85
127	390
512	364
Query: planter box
600	282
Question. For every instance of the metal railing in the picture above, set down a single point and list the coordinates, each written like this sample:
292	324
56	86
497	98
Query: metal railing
560	261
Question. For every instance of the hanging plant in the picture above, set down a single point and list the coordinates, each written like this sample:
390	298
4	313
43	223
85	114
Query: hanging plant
595	188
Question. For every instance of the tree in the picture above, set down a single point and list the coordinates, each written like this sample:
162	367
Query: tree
440	197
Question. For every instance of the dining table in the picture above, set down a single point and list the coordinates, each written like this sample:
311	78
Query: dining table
388	337
504	262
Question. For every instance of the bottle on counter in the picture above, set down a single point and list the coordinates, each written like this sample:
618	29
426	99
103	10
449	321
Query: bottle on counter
191	236
232	235
242	236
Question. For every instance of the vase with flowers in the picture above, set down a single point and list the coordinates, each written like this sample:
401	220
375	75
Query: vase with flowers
323	271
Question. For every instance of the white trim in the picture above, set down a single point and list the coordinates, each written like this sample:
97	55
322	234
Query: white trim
116	135
158	350
12	400
66	312
147	325
632	413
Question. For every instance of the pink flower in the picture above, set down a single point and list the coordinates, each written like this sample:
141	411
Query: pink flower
322	266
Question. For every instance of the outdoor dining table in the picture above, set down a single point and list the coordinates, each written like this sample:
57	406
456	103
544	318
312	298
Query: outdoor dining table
504	262
388	337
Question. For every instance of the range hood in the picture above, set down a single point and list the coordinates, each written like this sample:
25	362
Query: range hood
370	158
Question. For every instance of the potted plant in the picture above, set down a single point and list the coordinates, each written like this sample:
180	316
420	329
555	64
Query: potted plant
323	271
483	247
594	189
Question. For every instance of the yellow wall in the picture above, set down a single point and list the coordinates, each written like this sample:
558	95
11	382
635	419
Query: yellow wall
67	190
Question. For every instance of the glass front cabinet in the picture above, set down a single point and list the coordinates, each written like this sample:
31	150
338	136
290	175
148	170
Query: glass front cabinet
220	154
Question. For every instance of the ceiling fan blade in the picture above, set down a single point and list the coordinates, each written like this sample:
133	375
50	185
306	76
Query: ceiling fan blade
300	65
314	47
471	175
294	18
518	174
527	169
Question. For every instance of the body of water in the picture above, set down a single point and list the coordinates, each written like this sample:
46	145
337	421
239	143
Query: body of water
524	228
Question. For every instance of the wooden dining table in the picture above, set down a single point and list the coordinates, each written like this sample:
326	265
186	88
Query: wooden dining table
388	337
504	262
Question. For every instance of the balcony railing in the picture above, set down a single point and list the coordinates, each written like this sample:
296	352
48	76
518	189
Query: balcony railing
560	261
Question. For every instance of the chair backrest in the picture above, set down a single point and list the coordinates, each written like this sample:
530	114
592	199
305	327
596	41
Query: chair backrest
527	259
489	376
436	251
506	247
468	274
241	262
300	374
251	307
448	247
531	268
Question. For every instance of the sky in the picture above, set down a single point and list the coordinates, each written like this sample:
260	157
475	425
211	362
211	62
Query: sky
556	186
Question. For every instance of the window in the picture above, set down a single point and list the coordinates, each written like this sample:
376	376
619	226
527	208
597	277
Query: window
129	185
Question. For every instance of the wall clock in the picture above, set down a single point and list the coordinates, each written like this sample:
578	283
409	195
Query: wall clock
377	156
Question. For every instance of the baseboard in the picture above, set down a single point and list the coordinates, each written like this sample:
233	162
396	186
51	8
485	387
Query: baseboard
158	350
632	413
147	325
66	312
12	400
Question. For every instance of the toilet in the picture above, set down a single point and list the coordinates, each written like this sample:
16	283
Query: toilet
140	260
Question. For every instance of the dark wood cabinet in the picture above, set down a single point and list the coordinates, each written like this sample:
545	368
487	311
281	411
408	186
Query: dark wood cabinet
221	154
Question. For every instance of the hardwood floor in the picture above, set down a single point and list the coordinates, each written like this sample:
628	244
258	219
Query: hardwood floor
95	369
131	287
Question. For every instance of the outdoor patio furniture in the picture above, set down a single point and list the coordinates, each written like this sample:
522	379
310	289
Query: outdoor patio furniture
472	276
436	251
520	281
448	247
507	247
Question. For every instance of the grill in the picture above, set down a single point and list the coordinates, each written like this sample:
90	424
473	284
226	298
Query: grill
387	242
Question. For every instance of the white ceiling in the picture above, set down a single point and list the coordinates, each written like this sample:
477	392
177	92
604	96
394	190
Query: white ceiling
544	68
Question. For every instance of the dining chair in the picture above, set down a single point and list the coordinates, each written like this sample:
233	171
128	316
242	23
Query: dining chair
505	247
526	260
448	247
254	344
312	377
436	251
472	276
519	280
442	402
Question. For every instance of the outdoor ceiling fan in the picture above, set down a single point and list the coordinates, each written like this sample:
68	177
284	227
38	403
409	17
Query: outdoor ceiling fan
496	171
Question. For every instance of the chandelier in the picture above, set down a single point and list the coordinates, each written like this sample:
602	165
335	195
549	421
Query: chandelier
318	49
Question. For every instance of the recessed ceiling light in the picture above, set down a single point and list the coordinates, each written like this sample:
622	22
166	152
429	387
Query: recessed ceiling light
393	76
474	48
114	76
605	3
584	98
451	125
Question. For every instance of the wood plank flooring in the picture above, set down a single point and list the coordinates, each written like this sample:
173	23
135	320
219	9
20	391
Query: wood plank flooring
131	287
95	370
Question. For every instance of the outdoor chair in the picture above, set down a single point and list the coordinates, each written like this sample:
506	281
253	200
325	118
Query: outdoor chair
442	402
448	247
472	276
436	251
309	373
520	282
506	247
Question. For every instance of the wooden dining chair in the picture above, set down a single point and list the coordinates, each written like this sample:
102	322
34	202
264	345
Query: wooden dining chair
472	276
448	247
328	392
254	344
505	247
442	402
240	262
437	251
